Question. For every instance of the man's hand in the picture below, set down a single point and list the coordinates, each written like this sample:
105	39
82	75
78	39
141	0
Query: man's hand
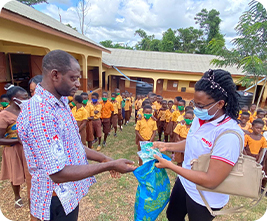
123	166
160	145
113	173
162	162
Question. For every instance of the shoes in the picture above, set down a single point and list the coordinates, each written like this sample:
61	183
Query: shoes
98	148
115	134
104	144
94	141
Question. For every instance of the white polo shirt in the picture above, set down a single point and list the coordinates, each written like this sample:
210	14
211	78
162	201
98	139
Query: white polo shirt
200	139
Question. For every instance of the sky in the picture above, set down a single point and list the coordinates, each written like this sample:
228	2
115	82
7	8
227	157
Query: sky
117	20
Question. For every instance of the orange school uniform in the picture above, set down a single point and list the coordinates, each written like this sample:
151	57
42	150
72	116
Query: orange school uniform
255	145
146	128
246	127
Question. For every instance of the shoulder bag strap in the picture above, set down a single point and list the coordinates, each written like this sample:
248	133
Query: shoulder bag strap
241	208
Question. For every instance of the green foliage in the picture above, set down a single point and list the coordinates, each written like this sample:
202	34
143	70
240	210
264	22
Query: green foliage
167	42
32	2
74	28
110	44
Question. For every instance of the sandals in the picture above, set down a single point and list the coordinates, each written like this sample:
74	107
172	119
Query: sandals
18	203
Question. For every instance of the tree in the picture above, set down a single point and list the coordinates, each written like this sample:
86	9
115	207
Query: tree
32	2
82	10
190	39
71	27
144	44
250	52
167	42
106	43
209	22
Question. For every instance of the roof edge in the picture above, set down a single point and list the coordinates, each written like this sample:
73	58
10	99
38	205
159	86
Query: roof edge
15	17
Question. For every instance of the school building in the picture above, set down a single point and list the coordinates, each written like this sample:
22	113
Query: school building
27	35
171	74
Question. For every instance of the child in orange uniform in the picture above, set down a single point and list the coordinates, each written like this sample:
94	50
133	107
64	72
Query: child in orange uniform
244	122
127	108
114	116
181	108
80	115
168	123
255	142
146	128
162	118
96	107
137	105
182	130
106	112
89	124
119	100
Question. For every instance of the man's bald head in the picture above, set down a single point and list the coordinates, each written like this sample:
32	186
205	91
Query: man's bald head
59	60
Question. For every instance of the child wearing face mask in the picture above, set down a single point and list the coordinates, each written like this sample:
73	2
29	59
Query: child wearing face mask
96	107
181	108
181	130
146	128
4	102
168	123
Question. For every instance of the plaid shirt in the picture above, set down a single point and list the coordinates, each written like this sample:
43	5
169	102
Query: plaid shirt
51	141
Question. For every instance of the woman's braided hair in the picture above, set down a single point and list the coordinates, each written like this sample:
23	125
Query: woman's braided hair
220	86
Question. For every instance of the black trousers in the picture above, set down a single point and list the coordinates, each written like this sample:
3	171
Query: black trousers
57	212
181	204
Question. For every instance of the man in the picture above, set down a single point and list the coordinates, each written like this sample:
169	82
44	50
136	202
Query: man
56	158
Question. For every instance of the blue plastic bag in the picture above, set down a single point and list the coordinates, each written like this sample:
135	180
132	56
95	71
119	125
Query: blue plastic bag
153	191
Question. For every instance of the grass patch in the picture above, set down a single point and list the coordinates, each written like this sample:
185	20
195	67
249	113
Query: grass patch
113	199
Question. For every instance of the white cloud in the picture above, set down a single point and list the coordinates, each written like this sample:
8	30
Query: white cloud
117	20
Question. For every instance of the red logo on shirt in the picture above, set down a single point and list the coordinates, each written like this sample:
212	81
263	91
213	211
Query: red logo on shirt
206	142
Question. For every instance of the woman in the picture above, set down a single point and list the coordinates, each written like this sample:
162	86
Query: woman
33	83
13	161
216	110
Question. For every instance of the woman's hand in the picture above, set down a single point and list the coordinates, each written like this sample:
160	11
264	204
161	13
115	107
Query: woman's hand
160	145
162	162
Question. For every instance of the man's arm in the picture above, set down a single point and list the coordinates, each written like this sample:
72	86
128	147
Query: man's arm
96	156
79	172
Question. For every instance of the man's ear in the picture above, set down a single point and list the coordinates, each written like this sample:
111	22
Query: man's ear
54	75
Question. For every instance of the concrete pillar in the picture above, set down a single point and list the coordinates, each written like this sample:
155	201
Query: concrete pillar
84	73
165	83
155	85
100	72
106	82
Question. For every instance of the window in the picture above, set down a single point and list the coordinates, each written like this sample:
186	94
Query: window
183	89
192	84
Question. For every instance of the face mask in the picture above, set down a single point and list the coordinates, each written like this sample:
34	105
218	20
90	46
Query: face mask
203	114
180	108
147	116
94	100
104	99
73	104
19	102
113	98
188	121
4	104
118	93
85	102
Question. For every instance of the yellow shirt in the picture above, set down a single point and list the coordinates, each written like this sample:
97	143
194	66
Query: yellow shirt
162	115
156	105
146	128
181	130
115	106
119	99
168	115
89	110
255	145
127	104
174	107
181	117
175	115
140	111
107	109
139	104
96	107
247	127
80	114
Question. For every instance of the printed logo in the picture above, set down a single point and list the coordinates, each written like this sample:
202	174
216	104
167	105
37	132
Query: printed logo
206	142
